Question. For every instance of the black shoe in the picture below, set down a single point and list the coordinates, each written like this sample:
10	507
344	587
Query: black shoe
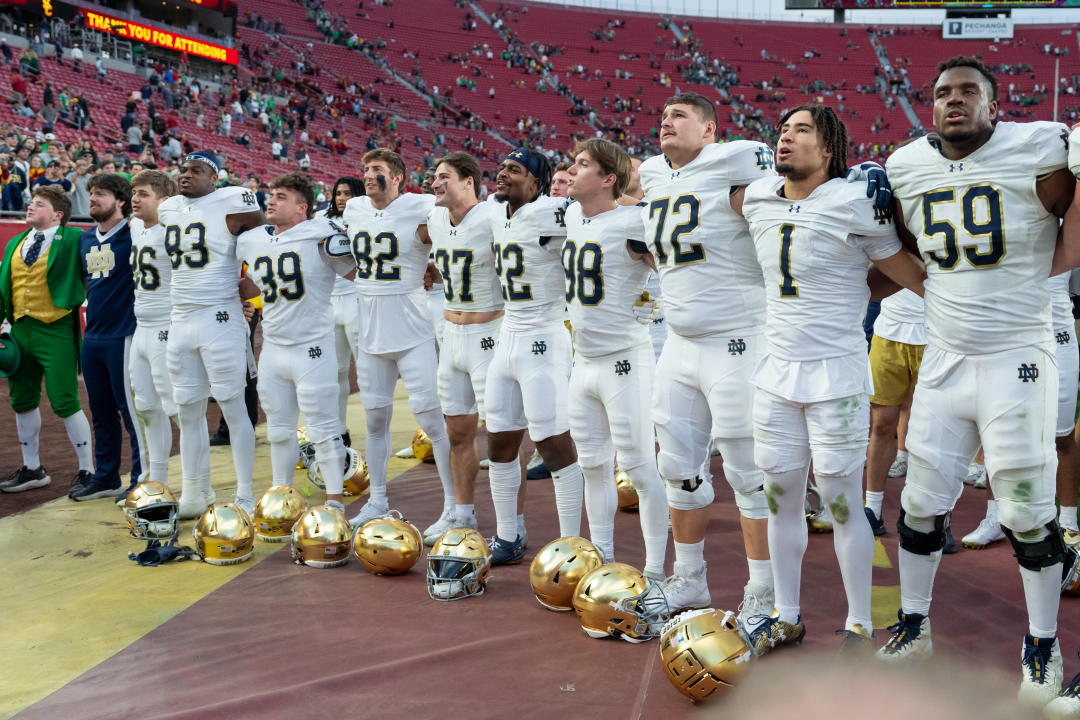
857	643
122	497
950	544
25	479
81	480
876	523
538	472
345	439
94	490
219	438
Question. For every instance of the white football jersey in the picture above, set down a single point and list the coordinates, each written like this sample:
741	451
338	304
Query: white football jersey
602	281
295	278
1059	292
901	318
464	257
201	248
527	249
342	287
815	254
709	272
986	238
152	271
390	264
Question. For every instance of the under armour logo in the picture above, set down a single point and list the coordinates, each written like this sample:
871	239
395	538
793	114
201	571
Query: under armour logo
1028	372
958	167
487	343
622	367
163	336
539	347
1062	338
452	232
674	174
314	352
222	316
507	225
764	158
793	208
379	214
100	261
736	346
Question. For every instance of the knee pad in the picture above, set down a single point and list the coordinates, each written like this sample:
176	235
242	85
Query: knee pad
1042	553
674	465
692	494
378	419
279	433
752	505
919	542
838	463
433	424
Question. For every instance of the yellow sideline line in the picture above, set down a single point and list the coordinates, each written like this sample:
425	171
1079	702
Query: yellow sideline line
72	597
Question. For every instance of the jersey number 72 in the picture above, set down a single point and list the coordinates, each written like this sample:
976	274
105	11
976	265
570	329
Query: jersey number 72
684	204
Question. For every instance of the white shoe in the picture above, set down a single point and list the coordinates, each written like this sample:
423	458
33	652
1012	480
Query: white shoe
1041	668
192	504
976	475
654	578
756	606
685	591
1065	706
437	528
988	533
337	505
898	468
405	453
247	502
910	639
369	512
523	535
534	460
607	553
485	463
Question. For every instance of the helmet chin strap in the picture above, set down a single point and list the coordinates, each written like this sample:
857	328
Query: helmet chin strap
156	553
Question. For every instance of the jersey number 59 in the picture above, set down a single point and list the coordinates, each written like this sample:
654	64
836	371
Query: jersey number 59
985	197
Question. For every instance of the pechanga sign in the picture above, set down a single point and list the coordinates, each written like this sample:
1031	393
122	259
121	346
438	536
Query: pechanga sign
977	28
161	38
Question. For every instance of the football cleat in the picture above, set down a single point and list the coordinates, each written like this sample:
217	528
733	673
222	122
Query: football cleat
388	545
458	565
1065	706
434	531
898	468
877	525
277	511
558	568
910	638
757	604
987	533
772	632
321	538
151	511
856	641
194	502
684	591
224	535
1041	669
504	552
976	475
247	502
613	601
705	653
628	497
422	448
370	511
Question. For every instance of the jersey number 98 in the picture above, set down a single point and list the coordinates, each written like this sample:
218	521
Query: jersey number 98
584	272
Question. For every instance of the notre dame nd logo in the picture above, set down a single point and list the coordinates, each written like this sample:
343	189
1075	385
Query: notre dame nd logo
314	352
100	261
622	367
539	347
163	336
736	346
222	316
1028	372
1062	337
487	343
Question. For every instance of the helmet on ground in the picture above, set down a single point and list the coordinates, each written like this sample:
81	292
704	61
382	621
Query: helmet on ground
458	565
224	534
307	449
151	511
388	545
558	568
628	498
277	511
611	600
356	473
422	448
321	538
705	652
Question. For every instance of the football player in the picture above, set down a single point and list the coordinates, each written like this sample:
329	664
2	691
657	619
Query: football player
460	230
606	263
816	236
147	362
343	298
714	308
652	313
208	337
528	379
390	242
983	202
297	370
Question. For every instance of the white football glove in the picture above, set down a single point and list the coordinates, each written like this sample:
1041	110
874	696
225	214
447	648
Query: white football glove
1074	150
646	310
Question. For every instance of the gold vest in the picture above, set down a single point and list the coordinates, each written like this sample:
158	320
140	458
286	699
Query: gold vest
30	295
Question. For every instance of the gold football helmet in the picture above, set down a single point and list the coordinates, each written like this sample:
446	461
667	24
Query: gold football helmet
458	565
1071	584
321	538
388	545
151	511
224	535
705	652
628	499
609	602
277	511
307	449
356	473
558	568
422	448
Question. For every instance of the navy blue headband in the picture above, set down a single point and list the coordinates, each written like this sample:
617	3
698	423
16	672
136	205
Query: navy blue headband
203	156
532	161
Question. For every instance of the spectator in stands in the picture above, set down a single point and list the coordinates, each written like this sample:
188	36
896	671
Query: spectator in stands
80	193
5	49
29	63
20	178
135	138
41	290
100	65
52	176
560	180
76	59
18	88
47	115
37	169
